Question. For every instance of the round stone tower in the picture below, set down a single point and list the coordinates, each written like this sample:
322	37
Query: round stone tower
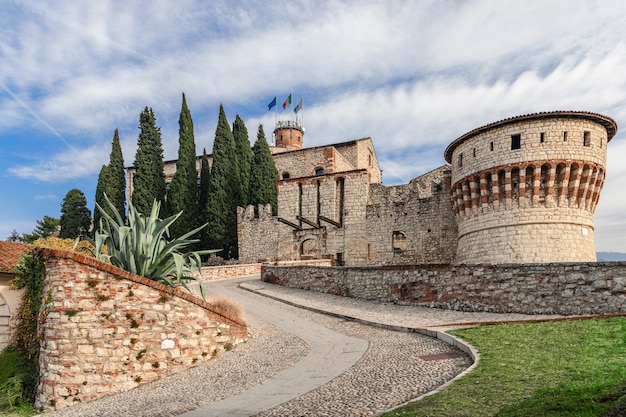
525	189
288	135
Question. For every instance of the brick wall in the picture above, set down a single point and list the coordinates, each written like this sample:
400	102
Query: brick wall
106	330
558	288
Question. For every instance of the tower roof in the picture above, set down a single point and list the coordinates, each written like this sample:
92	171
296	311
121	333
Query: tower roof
607	122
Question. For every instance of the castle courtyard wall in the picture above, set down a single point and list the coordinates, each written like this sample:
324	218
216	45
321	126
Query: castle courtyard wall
553	288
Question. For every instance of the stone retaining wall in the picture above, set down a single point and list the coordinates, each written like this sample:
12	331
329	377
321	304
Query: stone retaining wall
558	288
212	273
105	330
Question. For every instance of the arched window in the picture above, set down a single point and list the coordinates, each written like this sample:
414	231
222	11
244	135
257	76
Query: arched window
286	175
319	171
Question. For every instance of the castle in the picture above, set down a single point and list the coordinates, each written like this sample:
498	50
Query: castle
520	190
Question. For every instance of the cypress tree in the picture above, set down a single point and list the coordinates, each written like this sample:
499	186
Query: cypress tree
263	175
149	179
224	191
244	156
183	192
203	198
116	185
101	189
75	216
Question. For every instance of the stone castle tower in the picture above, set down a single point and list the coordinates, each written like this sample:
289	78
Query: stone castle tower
525	189
288	135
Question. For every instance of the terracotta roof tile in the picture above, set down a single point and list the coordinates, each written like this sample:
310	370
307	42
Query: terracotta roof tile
10	254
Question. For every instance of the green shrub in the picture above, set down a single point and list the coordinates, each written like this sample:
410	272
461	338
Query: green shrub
142	246
18	378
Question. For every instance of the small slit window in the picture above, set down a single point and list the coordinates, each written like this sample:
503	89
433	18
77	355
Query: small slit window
564	136
587	138
460	160
286	175
474	152
516	142
319	171
491	146
542	137
398	241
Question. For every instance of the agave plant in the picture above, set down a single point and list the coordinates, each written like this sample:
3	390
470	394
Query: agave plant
142	246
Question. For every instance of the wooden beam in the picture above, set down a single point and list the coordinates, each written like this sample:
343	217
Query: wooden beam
327	220
309	222
288	223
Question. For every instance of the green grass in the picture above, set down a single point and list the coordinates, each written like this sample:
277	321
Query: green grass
18	375
566	368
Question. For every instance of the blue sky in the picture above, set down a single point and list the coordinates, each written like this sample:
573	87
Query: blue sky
412	75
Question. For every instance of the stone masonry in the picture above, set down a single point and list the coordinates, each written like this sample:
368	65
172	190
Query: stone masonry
558	288
105	330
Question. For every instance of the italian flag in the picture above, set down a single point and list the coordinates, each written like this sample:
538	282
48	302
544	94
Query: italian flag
287	102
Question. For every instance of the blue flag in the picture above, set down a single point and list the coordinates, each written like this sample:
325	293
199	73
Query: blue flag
272	104
298	107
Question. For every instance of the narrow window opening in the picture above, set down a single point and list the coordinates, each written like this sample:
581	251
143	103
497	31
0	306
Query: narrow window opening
300	202
564	136
319	203
587	138
460	160
286	175
542	137
319	171
491	146
340	190
474	152
516	142
339	259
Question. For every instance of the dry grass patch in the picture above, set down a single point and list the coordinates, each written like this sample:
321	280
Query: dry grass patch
227	306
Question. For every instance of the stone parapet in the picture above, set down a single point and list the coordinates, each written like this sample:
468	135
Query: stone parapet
549	288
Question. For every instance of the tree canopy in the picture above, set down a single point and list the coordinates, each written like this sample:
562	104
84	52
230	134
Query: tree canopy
263	175
183	193
75	216
149	178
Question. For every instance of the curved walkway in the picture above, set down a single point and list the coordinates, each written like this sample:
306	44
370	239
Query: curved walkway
335	364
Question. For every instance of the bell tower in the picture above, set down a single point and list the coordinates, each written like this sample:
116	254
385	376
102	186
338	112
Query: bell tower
288	134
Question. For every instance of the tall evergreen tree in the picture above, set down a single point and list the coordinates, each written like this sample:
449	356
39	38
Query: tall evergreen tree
112	182
263	175
101	189
116	185
183	192
75	216
244	156
224	191
149	179
203	198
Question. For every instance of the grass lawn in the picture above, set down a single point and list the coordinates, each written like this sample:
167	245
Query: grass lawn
566	368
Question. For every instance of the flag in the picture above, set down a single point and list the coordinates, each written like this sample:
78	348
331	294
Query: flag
272	104
287	102
298	107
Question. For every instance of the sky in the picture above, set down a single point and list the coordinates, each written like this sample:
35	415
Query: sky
412	75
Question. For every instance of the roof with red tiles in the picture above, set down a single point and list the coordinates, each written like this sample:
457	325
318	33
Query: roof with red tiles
607	122
10	254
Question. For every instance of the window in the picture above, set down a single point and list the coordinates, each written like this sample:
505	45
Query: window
516	142
460	160
319	171
587	138
542	137
491	146
564	136
474	152
398	241
339	199
286	175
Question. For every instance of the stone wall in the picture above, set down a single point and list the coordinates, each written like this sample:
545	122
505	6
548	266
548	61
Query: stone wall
212	273
557	288
412	223
105	330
